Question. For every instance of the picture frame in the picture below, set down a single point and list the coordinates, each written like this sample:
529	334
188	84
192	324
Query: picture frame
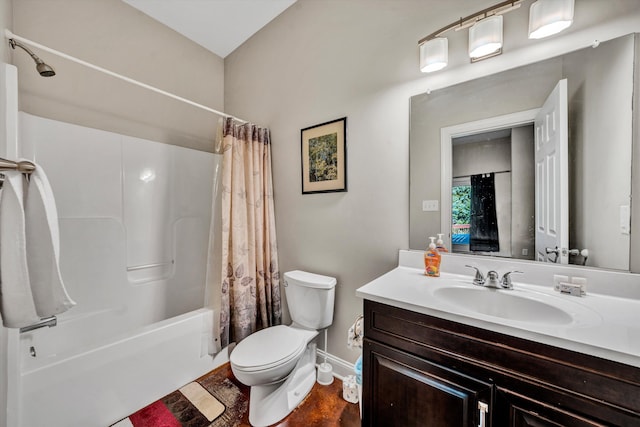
323	150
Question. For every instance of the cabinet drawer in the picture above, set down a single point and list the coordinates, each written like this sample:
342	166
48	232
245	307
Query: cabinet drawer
517	410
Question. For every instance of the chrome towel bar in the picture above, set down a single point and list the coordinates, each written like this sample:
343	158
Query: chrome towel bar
23	166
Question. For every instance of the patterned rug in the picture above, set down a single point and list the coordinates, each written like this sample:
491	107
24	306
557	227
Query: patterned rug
214	400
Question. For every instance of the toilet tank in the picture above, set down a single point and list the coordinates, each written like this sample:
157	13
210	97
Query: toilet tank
310	298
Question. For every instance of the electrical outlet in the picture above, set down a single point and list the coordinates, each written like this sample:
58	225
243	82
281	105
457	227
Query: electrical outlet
582	281
557	279
572	289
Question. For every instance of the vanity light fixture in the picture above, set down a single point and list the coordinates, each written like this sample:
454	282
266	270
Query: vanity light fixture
485	37
434	54
484	27
548	17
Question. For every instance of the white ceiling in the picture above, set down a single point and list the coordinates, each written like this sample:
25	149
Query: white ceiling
218	25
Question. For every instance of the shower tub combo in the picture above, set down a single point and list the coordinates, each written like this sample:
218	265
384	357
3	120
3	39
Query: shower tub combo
134	221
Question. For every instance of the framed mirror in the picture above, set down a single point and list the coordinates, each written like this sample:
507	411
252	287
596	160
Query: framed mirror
484	130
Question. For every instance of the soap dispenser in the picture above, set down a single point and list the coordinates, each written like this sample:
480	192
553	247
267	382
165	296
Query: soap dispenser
440	244
432	260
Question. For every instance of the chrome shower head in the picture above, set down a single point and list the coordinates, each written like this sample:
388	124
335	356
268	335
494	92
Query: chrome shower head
44	69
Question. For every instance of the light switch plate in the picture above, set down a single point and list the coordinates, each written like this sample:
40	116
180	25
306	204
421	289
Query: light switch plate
430	205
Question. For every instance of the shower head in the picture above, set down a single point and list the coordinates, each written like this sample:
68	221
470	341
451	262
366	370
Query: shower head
44	69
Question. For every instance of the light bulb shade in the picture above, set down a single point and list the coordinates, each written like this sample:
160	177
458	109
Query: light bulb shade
434	54
548	17
485	37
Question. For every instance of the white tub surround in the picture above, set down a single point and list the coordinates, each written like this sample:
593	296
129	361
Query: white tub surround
603	323
134	218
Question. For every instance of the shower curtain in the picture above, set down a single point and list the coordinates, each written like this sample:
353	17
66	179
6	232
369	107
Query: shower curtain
250	275
483	234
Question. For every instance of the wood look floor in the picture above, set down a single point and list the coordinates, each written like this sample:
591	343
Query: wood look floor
323	407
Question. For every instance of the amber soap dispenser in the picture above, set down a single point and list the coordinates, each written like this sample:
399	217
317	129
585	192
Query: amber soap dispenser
432	260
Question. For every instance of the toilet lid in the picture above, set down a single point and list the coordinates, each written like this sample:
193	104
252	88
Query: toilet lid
268	347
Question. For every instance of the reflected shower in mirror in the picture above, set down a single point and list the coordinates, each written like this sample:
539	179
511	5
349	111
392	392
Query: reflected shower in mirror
492	193
456	133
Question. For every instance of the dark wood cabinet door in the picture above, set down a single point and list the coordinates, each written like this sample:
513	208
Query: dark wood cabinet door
519	411
421	370
410	391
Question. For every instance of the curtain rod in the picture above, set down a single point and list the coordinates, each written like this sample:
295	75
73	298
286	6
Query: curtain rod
483	173
9	35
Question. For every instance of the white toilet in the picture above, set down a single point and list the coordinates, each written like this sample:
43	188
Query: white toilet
279	362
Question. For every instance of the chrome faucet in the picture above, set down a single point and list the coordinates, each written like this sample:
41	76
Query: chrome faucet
505	282
492	279
478	280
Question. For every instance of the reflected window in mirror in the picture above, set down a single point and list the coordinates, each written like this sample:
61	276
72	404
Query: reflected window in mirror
460	214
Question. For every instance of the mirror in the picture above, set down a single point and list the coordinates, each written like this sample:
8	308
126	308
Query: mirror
461	127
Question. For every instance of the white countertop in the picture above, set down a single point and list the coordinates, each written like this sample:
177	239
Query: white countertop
603	326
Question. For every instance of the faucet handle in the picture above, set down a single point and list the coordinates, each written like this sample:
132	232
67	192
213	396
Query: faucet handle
505	282
479	278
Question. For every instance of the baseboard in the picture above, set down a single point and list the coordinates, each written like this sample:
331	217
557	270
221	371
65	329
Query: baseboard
341	368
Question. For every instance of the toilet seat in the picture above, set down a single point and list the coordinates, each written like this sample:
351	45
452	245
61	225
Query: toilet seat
268	348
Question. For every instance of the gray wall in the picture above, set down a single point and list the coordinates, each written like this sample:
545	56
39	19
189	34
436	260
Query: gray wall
322	60
118	37
599	149
492	155
319	61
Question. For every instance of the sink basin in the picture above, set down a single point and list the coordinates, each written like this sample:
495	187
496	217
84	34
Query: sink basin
508	304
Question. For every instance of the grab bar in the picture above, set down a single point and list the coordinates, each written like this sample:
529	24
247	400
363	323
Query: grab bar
47	321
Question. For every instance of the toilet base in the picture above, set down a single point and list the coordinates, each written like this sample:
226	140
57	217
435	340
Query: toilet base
270	403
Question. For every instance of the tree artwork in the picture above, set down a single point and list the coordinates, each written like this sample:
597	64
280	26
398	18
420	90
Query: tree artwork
323	158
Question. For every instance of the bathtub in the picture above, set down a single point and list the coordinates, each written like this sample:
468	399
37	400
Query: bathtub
102	385
134	220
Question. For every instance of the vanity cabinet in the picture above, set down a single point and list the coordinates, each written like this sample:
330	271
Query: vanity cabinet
421	370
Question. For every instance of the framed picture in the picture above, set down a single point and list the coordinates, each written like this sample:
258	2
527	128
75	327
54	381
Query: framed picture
324	157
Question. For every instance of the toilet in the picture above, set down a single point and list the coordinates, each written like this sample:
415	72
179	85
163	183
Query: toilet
278	362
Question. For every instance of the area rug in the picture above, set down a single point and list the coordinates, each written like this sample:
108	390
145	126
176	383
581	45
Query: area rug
213	400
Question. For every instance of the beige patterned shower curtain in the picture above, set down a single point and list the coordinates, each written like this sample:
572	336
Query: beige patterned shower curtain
250	275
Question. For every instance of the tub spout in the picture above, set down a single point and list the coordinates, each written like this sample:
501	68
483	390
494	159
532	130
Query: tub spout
47	321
